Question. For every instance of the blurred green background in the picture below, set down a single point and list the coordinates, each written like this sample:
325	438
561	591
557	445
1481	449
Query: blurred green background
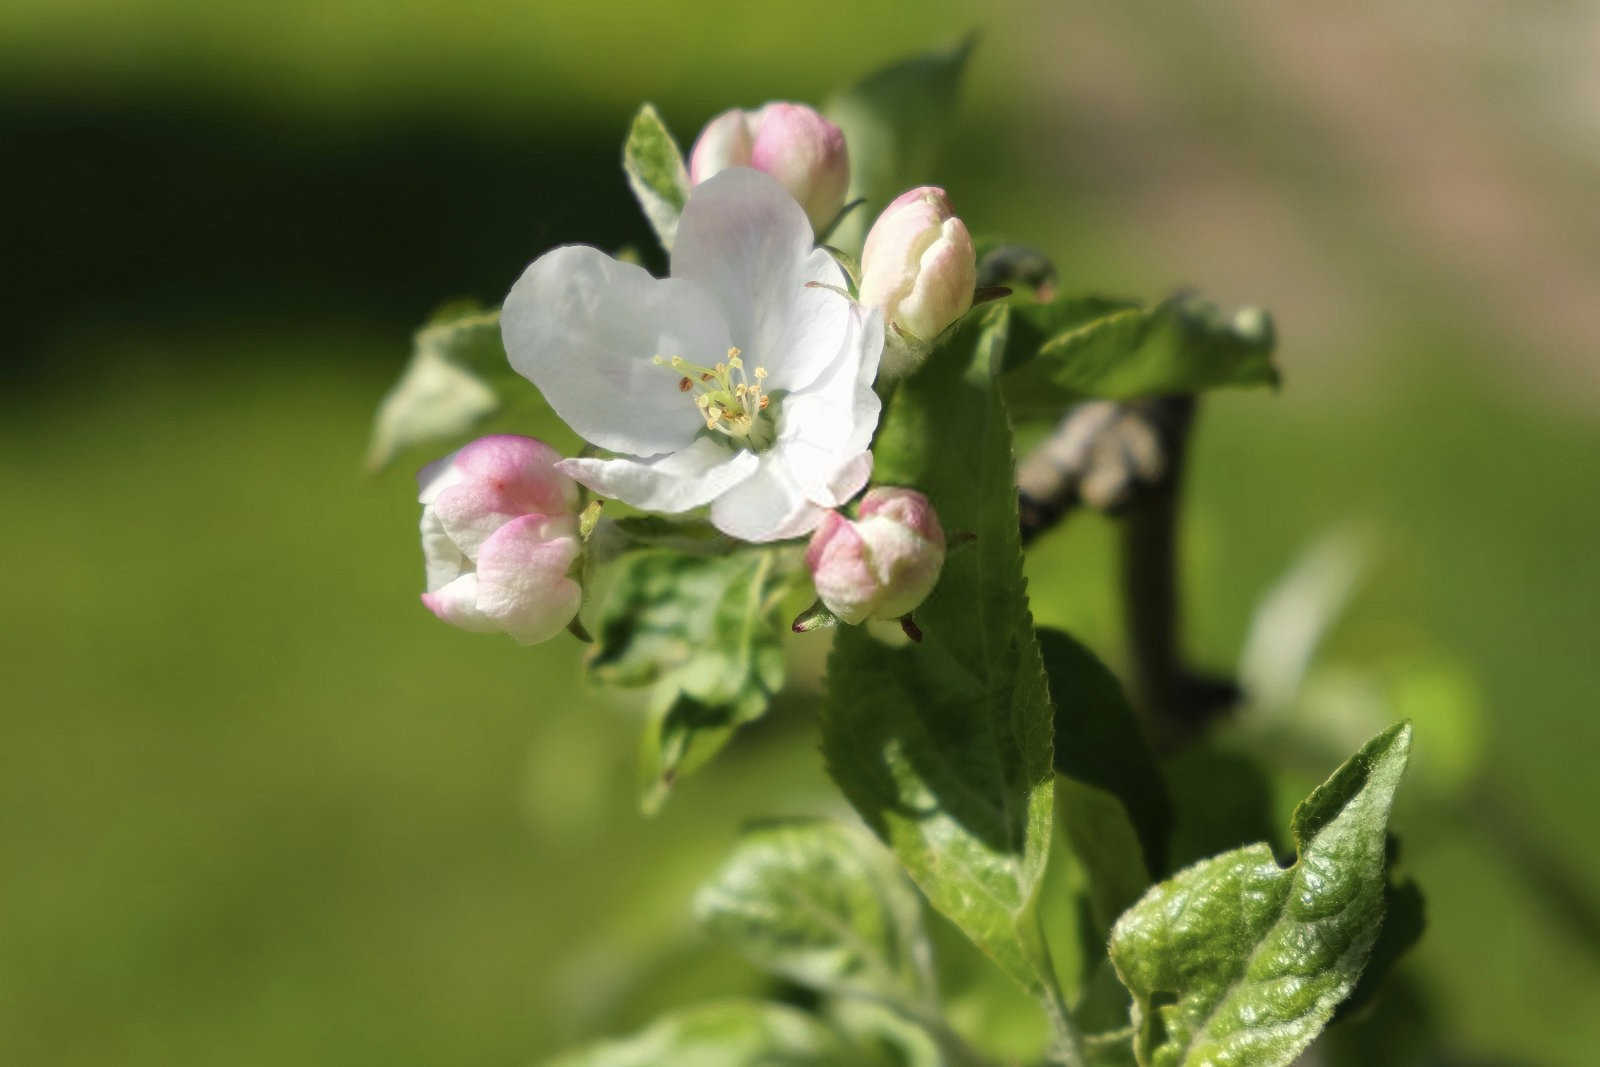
260	808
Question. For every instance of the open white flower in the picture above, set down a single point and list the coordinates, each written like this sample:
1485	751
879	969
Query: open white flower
732	383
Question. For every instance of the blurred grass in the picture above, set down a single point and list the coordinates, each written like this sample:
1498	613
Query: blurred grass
260	807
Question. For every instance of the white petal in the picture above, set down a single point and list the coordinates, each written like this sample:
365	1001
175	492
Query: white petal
825	431
444	560
687	479
522	582
457	604
584	328
743	238
768	506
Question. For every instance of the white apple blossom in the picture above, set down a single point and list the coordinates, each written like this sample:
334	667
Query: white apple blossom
735	382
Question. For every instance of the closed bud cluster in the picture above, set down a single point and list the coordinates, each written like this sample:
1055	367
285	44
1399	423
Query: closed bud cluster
499	537
791	142
882	564
919	266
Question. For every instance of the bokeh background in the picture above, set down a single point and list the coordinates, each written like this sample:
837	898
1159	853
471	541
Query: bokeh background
259	808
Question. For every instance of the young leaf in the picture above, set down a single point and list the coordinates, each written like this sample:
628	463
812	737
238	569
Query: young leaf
734	1033
1034	325
656	173
1181	345
944	746
816	902
703	631
895	122
445	388
1237	960
1098	741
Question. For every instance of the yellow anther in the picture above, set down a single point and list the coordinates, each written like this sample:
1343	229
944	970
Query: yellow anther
761	373
734	352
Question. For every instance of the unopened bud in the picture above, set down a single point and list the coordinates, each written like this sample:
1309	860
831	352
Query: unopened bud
919	266
791	142
499	537
882	564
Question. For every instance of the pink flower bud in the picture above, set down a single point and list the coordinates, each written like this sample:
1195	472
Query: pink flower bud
884	563
919	266
791	142
499	536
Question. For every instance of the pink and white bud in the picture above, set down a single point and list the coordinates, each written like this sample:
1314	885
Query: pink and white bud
499	536
919	266
791	142
883	564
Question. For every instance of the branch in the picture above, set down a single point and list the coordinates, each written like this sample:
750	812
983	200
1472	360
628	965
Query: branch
1127	459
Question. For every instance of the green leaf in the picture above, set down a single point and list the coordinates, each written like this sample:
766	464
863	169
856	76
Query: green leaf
457	363
1034	325
735	1033
703	632
896	121
1098	741
944	746
1237	960
696	537
1404	920
1181	345
817	902
656	174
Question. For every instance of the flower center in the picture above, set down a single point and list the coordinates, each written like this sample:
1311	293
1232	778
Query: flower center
730	402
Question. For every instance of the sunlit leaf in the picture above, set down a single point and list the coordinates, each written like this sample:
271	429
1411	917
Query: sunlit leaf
821	904
1236	960
944	746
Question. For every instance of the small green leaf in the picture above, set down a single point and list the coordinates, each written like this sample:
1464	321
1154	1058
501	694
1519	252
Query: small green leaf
818	903
896	121
1237	960
1098	741
1180	345
734	1033
703	632
457	371
944	746
656	174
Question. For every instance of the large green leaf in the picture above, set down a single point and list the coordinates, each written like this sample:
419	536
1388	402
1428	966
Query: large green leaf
821	904
656	174
1237	960
896	121
703	632
1181	345
735	1033
944	746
